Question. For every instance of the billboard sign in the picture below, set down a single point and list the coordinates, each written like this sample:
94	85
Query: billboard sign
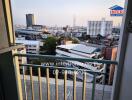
116	11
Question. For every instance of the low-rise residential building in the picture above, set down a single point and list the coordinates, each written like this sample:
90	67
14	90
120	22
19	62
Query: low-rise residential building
32	46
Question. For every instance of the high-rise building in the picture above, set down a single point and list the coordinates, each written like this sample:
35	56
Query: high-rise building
74	21
30	20
102	27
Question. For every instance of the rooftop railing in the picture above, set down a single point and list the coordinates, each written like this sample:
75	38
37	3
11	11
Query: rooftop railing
47	67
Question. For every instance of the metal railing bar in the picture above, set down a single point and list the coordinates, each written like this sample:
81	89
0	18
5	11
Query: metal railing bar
67	58
63	68
74	85
40	83
103	82
65	85
31	81
56	84
93	87
48	84
24	82
84	87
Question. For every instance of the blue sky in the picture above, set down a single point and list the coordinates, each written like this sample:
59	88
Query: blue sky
61	12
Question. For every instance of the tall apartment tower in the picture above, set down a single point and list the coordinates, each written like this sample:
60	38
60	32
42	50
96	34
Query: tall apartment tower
30	20
74	21
101	27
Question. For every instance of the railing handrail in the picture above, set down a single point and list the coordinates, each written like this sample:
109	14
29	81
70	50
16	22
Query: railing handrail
67	58
63	68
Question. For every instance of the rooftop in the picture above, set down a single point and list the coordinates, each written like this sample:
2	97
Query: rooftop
27	42
116	7
28	31
79	48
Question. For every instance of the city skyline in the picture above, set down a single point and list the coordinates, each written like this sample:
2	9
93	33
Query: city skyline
64	12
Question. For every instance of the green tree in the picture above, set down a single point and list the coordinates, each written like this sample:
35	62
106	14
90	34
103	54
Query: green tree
49	46
75	40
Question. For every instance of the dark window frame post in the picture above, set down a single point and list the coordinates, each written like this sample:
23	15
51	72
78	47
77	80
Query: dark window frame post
10	80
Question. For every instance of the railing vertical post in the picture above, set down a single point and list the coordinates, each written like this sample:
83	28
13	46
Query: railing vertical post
74	85
40	84
65	86
84	87
93	87
56	84
103	81
31	81
48	84
24	82
18	75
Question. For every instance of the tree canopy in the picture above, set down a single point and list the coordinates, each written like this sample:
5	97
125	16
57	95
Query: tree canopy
49	46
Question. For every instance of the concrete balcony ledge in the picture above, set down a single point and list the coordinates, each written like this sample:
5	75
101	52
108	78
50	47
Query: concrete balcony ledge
98	91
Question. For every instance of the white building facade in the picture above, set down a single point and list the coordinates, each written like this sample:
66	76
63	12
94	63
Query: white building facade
32	46
102	27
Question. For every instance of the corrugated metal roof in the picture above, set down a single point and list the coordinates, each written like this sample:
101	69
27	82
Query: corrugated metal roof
79	48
